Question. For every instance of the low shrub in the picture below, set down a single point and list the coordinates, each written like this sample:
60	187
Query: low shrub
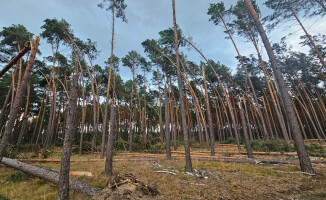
156	149
3	197
232	140
120	145
18	177
274	145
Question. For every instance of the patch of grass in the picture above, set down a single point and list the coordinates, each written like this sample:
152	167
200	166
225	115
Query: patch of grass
315	150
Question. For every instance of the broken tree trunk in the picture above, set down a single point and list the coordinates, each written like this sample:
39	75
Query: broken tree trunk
16	58
51	176
19	97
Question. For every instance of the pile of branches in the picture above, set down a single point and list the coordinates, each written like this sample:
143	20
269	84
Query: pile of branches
126	187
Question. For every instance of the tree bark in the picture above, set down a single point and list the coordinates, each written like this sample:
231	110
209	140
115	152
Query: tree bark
304	159
63	191
109	154
19	97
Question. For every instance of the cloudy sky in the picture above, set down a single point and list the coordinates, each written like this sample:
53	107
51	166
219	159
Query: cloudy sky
145	19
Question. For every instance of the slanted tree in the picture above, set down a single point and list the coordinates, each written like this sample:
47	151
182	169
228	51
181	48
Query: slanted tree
304	159
218	13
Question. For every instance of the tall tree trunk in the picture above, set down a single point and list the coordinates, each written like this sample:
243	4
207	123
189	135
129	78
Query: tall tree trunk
63	190
42	120
22	130
38	118
160	110
131	111
109	154
181	96
245	133
247	119
106	112
19	97
209	115
304	159
167	124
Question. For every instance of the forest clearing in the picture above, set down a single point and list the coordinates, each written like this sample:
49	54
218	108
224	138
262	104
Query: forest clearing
211	180
162	116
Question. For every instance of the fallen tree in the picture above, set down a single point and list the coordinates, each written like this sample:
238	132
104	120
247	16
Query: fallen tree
51	176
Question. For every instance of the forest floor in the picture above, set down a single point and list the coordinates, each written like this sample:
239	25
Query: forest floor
211	180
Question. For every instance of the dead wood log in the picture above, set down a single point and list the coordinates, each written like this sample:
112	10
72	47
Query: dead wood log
16	58
51	176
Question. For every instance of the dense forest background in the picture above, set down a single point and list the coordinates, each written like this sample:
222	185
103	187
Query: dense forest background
170	92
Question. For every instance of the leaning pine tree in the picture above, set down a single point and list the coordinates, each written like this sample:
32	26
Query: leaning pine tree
304	159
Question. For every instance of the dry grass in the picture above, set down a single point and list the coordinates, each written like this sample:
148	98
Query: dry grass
235	181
